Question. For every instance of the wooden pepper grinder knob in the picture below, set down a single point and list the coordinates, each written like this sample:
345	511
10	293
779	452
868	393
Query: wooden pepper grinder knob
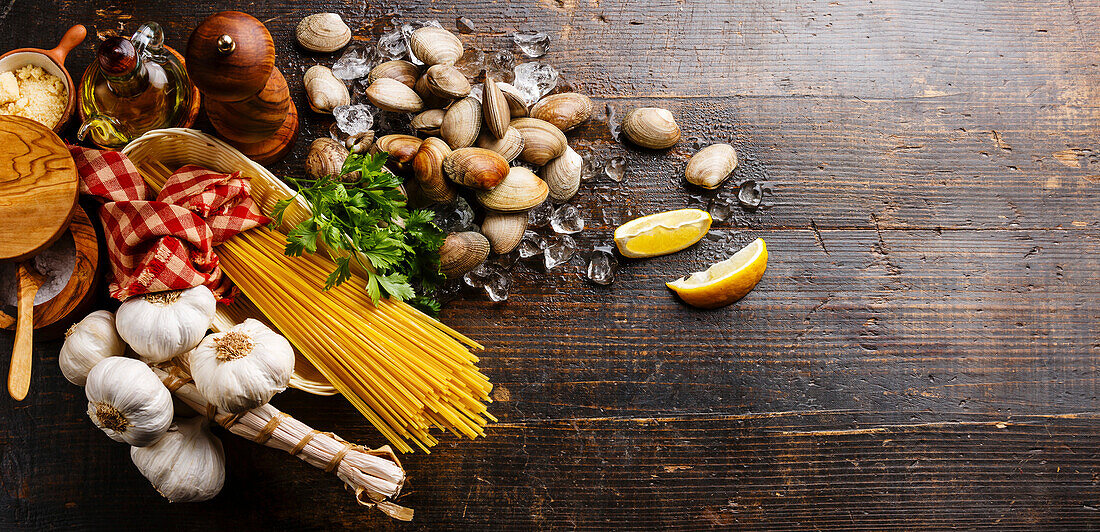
231	59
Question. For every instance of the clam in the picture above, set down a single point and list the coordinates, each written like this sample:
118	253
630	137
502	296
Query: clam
651	127
504	230
710	166
403	71
324	91
476	168
542	140
461	123
359	142
563	175
400	148
462	252
516	104
428	122
508	147
326	157
495	107
431	100
435	46
323	32
520	191
566	110
389	94
446	81
427	168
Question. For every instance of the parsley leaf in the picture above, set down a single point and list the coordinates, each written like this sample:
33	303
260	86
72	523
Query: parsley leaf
363	213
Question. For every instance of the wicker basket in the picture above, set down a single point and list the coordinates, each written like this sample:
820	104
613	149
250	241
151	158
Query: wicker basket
178	147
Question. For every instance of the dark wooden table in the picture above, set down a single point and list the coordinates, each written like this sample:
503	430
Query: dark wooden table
922	352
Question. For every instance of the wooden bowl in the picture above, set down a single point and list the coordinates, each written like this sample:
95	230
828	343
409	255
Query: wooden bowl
53	62
74	300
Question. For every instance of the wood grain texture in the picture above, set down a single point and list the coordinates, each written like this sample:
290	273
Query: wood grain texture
38	185
921	354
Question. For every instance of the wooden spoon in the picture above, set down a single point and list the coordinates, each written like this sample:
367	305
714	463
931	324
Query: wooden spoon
19	375
38	187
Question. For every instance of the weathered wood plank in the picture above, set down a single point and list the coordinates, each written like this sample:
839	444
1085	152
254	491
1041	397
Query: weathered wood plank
922	352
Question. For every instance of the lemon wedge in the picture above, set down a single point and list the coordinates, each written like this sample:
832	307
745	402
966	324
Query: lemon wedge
661	233
726	281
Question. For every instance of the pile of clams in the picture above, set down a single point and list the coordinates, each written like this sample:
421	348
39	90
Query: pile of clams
509	156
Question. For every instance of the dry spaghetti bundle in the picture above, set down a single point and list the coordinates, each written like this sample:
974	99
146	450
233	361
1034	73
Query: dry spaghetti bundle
404	371
375	475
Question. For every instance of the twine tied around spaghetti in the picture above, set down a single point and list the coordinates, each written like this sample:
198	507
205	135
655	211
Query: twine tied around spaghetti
374	475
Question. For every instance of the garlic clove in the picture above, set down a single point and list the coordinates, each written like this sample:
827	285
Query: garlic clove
242	368
166	324
87	343
128	402
186	465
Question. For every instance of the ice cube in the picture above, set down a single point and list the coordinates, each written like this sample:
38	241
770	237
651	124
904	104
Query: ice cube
455	216
615	168
720	209
498	285
471	63
449	291
387	123
355	63
567	219
391	45
532	43
535	80
613	123
482	274
354	119
590	167
500	65
507	260
476	91
749	195
540	215
560	249
476	277
464	25
336	133
532	244
602	265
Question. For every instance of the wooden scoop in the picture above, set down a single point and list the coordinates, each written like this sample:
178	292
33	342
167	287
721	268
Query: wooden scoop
19	376
38	187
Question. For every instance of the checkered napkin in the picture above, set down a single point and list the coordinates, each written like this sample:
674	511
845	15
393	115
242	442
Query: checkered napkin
168	243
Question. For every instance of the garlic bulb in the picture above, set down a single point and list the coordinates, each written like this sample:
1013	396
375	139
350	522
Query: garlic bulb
128	401
242	368
87	343
186	465
166	324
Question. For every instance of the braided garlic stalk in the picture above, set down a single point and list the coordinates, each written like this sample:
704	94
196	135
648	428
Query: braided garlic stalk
375	475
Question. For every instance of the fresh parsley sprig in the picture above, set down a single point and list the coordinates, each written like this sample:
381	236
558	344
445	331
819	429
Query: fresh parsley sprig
368	214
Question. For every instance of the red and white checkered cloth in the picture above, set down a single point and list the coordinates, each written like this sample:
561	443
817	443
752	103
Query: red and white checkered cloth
168	243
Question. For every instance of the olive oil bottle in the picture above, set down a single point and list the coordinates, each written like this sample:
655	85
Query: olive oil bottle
134	85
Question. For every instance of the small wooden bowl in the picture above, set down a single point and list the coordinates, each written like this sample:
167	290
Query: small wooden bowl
53	62
53	317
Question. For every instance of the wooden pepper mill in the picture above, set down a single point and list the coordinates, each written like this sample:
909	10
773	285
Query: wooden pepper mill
231	59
